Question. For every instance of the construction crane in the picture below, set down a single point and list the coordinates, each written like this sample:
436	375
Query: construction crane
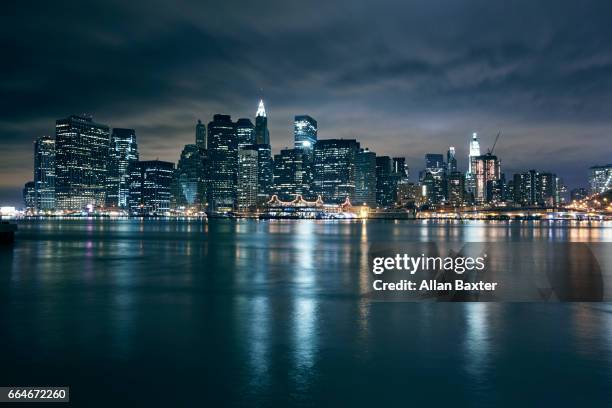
494	143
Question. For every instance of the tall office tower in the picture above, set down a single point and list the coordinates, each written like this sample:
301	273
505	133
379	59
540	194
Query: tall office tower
29	196
81	156
434	165
150	187
547	189
262	135
265	173
200	135
247	178
474	149
399	167
385	187
189	188
456	188
245	132
334	169
365	178
600	178
451	160
123	152
290	179
486	170
222	164
44	174
304	132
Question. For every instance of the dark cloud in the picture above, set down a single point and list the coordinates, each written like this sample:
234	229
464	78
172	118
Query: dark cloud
403	77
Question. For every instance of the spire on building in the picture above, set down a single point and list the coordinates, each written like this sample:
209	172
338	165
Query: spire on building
261	110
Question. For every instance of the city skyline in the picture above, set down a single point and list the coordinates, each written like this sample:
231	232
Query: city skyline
538	77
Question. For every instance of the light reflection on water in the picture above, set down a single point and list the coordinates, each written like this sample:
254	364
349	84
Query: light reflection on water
277	310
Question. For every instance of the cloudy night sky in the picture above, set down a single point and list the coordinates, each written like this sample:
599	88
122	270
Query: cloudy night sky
405	78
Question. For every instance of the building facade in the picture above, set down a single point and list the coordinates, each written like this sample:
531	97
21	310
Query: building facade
150	187
600	178
81	156
123	152
365	178
334	169
247	188
44	174
304	133
222	163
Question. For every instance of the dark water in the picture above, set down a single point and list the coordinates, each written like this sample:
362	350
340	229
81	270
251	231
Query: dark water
246	313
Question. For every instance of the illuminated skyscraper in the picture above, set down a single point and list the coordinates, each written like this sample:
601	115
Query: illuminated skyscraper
334	169
245	132
486	170
81	156
304	132
451	160
434	166
200	135
123	152
44	174
222	164
262	135
474	149
385	188
365	178
150	187
29	196
456	188
265	173
189	186
247	188
290	174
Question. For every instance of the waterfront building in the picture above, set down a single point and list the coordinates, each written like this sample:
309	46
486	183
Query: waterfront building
456	189
291	174
409	195
222	163
200	135
304	133
189	187
29	196
245	132
365	178
262	135
600	178
44	174
247	187
81	156
123	152
474	151
534	188
334	169
150	187
385	186
265	173
486	172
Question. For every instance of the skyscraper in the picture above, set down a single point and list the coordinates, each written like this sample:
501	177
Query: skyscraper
245	132
365	178
384	181
486	170
304	132
81	156
262	135
188	185
222	164
44	174
200	135
434	166
247	178
265	173
534	188
290	174
29	196
123	152
456	188
150	187
334	169
451	160
474	149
